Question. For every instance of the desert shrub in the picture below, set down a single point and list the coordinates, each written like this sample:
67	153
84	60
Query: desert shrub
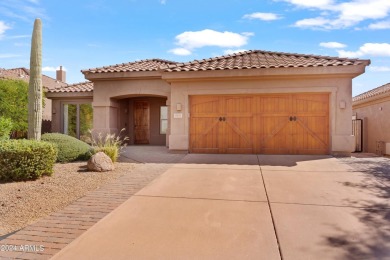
110	144
5	128
69	148
26	159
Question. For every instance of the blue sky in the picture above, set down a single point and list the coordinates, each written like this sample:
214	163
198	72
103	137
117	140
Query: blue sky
86	34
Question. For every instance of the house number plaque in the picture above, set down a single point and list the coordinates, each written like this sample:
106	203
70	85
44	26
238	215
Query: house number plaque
177	115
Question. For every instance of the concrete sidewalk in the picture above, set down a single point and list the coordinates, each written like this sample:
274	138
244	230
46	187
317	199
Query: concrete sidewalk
229	207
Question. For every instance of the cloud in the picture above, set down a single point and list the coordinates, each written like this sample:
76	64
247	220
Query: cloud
180	51
3	28
25	10
191	40
18	36
368	49
379	68
198	39
8	55
333	45
52	69
262	16
230	51
380	25
21	44
318	22
339	15
311	4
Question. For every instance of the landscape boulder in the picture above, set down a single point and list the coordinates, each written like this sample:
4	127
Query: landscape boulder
100	162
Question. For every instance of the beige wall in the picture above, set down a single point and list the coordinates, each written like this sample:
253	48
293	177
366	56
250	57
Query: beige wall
376	121
339	89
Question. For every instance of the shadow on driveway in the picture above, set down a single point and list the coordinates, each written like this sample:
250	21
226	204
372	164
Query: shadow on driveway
372	241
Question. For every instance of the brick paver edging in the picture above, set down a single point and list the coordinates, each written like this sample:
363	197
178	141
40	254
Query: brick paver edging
49	235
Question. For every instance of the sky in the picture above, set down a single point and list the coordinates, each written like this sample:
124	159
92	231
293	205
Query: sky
93	33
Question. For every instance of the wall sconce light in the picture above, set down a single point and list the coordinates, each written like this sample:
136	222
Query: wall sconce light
380	108
178	106
342	104
126	111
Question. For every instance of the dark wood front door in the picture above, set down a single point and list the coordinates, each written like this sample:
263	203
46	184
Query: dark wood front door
141	122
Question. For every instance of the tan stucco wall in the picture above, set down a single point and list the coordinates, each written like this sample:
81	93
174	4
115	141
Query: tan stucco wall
47	110
340	89
376	122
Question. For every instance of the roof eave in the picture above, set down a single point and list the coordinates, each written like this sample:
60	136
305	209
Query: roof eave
78	94
291	72
381	96
122	75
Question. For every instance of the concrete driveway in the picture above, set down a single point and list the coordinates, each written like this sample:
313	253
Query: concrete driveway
247	207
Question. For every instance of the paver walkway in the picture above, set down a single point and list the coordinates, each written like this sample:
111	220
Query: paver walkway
59	229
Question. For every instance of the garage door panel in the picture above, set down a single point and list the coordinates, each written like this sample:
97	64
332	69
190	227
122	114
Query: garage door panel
274	135
273	104
311	103
238	105
204	134
310	135
205	105
238	134
268	124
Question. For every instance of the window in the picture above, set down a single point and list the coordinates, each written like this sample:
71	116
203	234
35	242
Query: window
163	120
78	119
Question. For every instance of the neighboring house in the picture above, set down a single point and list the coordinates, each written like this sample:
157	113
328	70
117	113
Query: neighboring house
248	102
48	84
373	107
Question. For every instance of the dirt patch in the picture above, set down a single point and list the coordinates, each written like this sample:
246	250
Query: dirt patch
22	203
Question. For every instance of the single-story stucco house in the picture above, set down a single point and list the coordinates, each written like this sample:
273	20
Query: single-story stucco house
247	102
373	108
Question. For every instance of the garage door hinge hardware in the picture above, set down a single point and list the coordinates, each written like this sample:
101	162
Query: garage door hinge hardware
222	119
293	118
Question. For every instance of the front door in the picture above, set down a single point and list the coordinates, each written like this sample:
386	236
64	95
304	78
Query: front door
141	122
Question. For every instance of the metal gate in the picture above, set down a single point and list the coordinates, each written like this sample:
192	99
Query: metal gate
357	131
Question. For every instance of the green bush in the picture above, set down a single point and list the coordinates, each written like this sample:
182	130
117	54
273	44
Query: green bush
111	144
26	159
69	148
5	128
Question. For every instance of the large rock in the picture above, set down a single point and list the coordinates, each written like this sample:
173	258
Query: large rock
100	162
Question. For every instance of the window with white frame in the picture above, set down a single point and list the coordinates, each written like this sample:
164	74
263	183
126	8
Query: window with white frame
77	120
163	119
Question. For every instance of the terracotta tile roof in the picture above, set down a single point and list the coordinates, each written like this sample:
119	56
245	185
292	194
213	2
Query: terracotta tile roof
373	92
24	74
78	87
142	65
257	59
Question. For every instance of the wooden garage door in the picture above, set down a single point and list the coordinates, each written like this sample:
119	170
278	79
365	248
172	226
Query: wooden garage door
267	124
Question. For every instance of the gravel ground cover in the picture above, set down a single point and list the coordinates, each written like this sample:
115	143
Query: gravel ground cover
22	203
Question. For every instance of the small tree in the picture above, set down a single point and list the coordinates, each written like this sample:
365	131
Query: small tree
13	103
35	84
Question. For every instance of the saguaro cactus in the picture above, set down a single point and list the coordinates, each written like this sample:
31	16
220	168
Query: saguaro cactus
35	84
